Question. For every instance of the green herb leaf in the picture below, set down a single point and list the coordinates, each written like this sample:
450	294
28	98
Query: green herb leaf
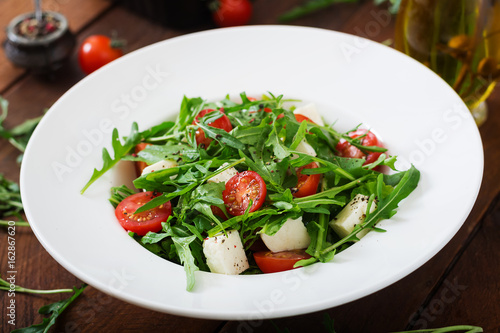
221	136
19	135
55	310
309	7
119	193
187	259
386	207
119	149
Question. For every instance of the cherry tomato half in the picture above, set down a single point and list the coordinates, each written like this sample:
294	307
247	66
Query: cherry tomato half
300	118
222	123
229	13
95	52
242	188
345	149
139	166
307	184
141	223
218	212
270	262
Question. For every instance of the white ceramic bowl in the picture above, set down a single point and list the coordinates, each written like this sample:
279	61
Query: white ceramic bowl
350	79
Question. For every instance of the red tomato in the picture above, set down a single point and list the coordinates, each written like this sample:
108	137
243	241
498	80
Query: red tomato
218	212
95	52
139	166
222	123
345	149
242	188
229	13
141	223
270	262
300	118
307	184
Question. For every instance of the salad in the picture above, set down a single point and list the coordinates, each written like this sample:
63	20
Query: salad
257	186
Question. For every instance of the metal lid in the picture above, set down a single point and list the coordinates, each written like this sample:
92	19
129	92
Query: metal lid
16	38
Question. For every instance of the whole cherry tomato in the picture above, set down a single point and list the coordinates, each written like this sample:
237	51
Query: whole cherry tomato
222	123
345	149
96	51
229	13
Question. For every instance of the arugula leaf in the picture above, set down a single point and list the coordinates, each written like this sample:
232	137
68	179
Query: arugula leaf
456	328
313	6
257	165
299	136
386	207
5	285
119	193
119	149
158	130
221	136
10	203
19	135
190	107
155	153
187	259
55	310
275	142
309	7
206	195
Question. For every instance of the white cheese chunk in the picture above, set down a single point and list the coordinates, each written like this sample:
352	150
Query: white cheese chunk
351	215
310	112
305	148
291	236
165	164
225	255
224	176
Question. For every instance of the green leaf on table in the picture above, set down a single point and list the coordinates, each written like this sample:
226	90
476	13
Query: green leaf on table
10	203
20	134
54	310
313	6
309	7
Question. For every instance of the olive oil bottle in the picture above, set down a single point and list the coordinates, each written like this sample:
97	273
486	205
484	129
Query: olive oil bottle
457	39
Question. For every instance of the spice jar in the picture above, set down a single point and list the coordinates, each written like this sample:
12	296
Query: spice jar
39	46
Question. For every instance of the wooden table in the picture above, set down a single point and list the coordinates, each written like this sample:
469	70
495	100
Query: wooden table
460	285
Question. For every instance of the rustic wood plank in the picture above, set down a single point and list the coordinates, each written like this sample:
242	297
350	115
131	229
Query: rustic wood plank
471	290
87	10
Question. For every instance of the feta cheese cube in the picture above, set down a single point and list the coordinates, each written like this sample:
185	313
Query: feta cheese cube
291	236
310	112
305	148
224	176
351	215
165	164
225	254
